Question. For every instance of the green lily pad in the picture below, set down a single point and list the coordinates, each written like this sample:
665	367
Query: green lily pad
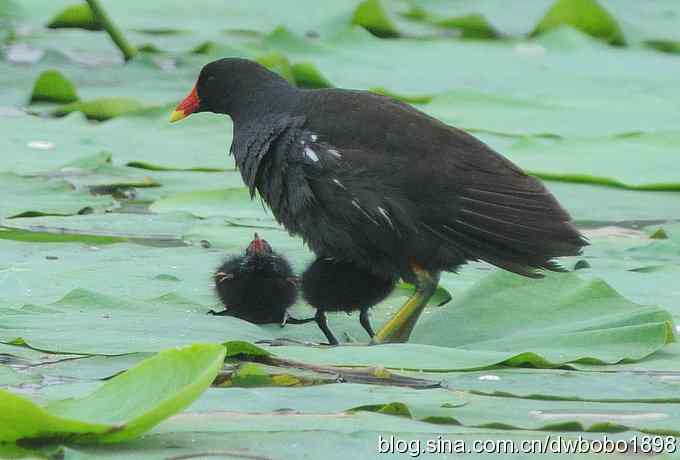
99	417
567	385
250	375
231	202
606	338
10	377
52	86
637	22
580	105
102	109
637	162
442	407
116	255
35	196
636	267
78	16
278	63
613	204
134	319
668	231
39	144
496	313
98	175
505	319
264	435
239	349
308	76
155	167
597	122
665	46
406	98
586	15
471	26
660	234
371	15
55	236
90	368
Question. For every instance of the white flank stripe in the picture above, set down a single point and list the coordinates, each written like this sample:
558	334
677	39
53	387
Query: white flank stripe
309	153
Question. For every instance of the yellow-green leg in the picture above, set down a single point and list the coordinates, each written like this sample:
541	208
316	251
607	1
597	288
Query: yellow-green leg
398	329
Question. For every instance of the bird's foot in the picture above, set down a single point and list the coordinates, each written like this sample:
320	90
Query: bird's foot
288	319
224	312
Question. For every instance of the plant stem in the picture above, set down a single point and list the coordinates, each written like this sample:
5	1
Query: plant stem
116	35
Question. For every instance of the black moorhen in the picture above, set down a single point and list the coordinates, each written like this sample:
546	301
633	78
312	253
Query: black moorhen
258	287
370	180
333	285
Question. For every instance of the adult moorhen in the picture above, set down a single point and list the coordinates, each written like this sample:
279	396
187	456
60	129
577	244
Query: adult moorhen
372	181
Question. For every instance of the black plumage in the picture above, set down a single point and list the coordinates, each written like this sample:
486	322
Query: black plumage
258	286
331	285
369	180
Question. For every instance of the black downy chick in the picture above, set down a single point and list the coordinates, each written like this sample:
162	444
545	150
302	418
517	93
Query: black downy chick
258	287
332	285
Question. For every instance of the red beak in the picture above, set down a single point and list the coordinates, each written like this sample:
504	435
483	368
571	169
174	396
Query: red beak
188	106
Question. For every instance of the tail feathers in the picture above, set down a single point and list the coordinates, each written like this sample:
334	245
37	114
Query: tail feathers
552	239
540	202
476	248
518	230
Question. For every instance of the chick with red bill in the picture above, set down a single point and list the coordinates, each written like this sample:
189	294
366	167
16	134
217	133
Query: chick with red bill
331	285
372	181
258	286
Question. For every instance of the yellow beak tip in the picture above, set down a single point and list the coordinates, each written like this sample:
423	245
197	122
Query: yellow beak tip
177	115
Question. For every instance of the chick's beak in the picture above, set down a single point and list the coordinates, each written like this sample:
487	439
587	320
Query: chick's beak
188	106
258	246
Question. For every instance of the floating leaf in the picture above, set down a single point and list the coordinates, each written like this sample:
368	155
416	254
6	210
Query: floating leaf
54	237
230	202
52	86
393	408
410	99
10	377
204	47
152	391
278	63
371	15
308	76
567	385
75	16
471	26
507	319
148	48
586	15
660	234
571	319
250	375
665	46
102	109
155	167
243	350
598	135
38	196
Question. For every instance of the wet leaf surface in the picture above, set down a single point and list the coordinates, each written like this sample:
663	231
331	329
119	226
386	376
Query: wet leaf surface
113	222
